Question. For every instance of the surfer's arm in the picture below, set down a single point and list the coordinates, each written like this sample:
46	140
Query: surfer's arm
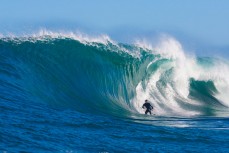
143	106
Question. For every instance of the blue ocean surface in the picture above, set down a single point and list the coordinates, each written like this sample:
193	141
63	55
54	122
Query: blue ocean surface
77	94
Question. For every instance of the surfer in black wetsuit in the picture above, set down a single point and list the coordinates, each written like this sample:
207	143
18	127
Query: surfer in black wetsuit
148	107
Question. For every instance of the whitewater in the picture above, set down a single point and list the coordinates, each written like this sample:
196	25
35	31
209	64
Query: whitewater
61	91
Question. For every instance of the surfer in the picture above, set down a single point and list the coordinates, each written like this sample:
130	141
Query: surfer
148	107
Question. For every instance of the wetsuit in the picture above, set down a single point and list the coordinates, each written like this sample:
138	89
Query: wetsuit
148	107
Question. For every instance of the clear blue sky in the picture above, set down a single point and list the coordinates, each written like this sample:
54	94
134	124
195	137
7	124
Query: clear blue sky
205	20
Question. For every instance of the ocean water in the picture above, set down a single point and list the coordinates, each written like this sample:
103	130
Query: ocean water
74	93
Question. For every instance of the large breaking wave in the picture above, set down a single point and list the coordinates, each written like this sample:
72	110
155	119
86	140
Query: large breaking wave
98	75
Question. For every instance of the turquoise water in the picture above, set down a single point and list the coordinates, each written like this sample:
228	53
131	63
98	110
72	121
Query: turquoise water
64	94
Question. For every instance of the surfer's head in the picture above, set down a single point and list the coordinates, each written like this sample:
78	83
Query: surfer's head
146	100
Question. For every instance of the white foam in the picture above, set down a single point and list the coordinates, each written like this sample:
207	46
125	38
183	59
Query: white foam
166	46
219	74
184	67
93	40
162	97
82	37
79	36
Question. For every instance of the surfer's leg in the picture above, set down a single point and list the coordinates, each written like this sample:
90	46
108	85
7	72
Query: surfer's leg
148	110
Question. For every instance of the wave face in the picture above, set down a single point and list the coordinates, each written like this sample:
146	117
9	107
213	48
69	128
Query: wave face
101	76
